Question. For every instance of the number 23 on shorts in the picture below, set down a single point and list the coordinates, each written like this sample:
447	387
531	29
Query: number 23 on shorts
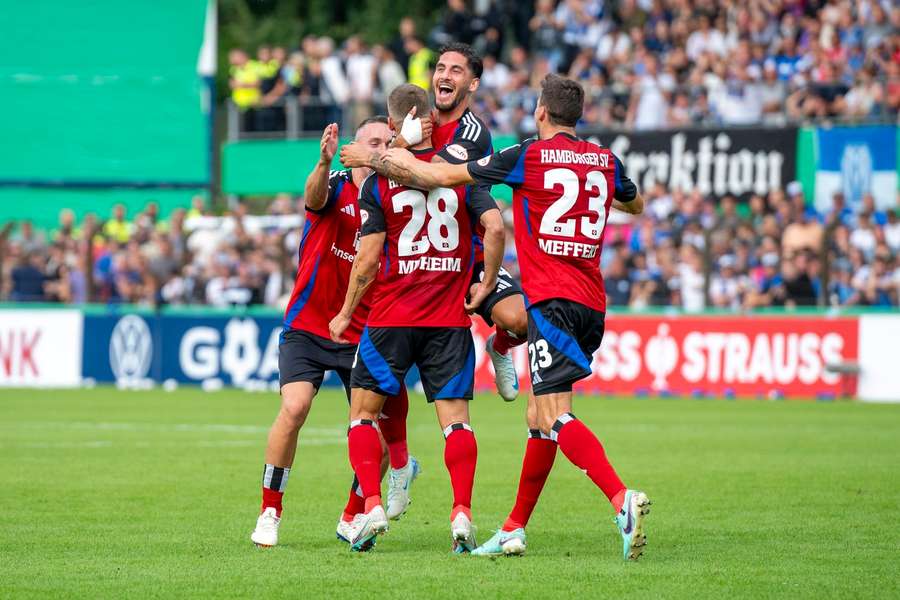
539	352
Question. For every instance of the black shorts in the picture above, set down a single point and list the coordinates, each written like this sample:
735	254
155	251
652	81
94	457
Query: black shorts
506	287
562	338
445	357
303	356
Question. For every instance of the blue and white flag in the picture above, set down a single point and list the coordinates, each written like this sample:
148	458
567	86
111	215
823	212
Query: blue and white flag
856	161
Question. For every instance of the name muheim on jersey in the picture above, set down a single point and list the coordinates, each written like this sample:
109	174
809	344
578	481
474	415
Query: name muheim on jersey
430	263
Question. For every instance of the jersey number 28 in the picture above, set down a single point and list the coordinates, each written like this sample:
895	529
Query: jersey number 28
552	223
443	230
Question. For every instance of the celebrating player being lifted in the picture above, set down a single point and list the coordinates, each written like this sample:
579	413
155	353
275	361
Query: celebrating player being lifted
458	136
563	188
329	242
418	316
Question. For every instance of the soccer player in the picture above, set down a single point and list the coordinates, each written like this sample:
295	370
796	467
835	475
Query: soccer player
459	136
418	316
329	242
563	188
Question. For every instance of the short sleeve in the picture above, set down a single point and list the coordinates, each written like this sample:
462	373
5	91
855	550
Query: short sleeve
626	191
479	201
472	140
371	214
506	166
336	182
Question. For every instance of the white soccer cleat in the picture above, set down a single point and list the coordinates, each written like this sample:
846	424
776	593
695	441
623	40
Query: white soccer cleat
398	488
344	530
366	527
266	533
504	371
463	533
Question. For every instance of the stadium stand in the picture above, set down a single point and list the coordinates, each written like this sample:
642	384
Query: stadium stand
656	64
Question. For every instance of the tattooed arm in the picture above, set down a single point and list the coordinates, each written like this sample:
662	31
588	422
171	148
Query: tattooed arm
365	267
403	167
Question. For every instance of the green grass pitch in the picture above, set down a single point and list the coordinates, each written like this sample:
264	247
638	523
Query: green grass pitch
115	494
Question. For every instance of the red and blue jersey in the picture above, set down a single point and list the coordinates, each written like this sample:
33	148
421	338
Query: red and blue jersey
427	260
562	191
460	141
327	250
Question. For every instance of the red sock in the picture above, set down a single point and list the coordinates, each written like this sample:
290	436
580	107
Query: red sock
584	450
503	341
540	452
393	428
460	456
461	509
356	503
271	499
365	457
274	482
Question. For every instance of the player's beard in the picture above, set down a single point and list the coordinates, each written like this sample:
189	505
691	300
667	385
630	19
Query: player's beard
457	99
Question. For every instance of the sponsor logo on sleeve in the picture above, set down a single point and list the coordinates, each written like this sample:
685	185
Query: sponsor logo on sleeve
458	151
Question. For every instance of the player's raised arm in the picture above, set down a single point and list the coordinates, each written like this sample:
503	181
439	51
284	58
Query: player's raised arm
315	192
627	198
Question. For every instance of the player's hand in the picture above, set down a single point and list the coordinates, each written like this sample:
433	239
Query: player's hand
427	128
399	157
478	293
411	131
354	155
337	327
329	144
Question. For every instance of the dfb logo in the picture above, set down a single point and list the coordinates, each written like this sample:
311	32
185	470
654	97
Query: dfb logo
130	349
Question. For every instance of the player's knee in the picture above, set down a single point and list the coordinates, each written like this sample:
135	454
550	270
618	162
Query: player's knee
519	324
511	319
295	408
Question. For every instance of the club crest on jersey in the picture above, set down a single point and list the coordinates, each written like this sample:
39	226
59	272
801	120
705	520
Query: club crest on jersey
363	215
484	161
458	151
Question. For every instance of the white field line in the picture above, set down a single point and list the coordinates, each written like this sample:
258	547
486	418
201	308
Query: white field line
172	427
332	441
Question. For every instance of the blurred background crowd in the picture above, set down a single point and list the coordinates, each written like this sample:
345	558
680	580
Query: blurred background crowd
686	252
646	64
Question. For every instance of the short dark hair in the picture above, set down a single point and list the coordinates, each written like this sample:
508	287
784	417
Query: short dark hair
403	98
472	57
563	98
376	119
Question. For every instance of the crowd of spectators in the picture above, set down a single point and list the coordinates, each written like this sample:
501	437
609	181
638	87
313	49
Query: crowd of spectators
191	257
645	63
775	251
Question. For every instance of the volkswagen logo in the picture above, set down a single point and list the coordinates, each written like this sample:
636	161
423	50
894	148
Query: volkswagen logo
856	172
130	349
